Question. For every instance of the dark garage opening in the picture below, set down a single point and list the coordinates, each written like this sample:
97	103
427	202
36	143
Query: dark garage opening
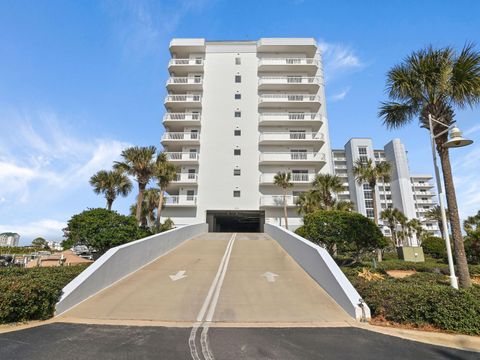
235	221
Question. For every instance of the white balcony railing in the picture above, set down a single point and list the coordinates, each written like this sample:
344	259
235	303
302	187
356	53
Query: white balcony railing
288	61
277	200
184	80
184	98
182	116
186	178
424	201
182	156
185	62
292	156
293	135
289	80
294	178
423	193
422	185
181	200
289	98
280	116
179	136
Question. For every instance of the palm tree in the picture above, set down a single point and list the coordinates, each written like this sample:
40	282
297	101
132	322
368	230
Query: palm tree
402	221
435	214
415	226
282	180
390	217
434	82
342	205
165	172
111	183
150	203
324	186
138	162
307	202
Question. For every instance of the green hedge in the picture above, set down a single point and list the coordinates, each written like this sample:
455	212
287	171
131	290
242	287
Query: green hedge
422	299
31	294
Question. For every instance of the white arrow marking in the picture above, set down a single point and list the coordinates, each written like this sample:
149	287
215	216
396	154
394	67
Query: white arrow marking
270	276
179	275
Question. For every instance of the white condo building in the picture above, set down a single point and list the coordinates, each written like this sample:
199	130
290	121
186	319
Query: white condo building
237	113
411	194
9	239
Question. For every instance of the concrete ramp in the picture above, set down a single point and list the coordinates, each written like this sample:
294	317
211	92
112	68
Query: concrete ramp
217	277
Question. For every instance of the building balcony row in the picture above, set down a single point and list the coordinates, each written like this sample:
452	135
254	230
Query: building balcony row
182	101
308	65
183	157
309	83
184	83
312	101
293	158
185	65
269	178
184	138
292	137
180	200
278	200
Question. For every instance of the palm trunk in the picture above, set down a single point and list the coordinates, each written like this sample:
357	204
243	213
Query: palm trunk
459	248
440	225
109	203
375	218
285	209
159	209
141	190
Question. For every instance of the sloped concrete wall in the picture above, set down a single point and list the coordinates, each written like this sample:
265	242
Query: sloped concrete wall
121	261
318	263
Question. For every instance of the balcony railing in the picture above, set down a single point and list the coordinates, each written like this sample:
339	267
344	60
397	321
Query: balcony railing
183	98
181	117
181	200
289	98
186	177
424	193
293	135
289	80
292	156
182	156
424	201
294	178
185	62
282	116
277	200
185	136
288	61
416	184
184	80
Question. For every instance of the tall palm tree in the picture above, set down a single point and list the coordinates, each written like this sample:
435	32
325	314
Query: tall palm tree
149	207
307	202
402	221
165	172
282	180
325	185
366	172
138	162
436	81
111	183
415	226
390	216
435	214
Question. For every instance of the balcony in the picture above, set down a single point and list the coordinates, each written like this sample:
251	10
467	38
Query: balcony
184	138
185	65
429	202
306	83
181	119
268	179
308	65
185	178
184	83
311	101
183	157
181	200
291	118
292	158
292	137
422	185
423	193
277	200
183	101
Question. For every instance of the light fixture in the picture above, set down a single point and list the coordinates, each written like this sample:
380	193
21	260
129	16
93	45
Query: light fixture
456	139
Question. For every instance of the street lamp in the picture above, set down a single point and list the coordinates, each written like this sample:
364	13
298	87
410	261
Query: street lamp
456	140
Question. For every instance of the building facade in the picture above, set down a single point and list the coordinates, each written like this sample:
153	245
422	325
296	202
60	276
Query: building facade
238	112
9	239
411	194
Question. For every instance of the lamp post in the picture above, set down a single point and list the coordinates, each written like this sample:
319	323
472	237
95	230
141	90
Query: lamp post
456	140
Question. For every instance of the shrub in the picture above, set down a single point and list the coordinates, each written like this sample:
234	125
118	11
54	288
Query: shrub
435	247
31	294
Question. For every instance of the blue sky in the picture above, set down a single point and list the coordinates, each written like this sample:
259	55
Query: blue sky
80	80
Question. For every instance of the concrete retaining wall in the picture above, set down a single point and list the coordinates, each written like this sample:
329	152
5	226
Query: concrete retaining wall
318	263
121	261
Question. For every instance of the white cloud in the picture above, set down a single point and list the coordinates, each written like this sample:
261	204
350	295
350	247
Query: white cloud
472	130
49	229
338	59
339	96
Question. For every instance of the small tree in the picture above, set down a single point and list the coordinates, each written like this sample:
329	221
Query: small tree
101	229
39	243
472	240
282	180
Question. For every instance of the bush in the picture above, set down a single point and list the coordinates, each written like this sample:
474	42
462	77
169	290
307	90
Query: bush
31	294
435	247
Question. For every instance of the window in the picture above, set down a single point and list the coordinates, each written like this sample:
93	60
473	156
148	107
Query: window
369	204
236	152
237	132
236	193
238	114
238	78
236	172
366	187
298	154
297	134
238	96
362	151
368	194
190	195
238	61
363	158
370	213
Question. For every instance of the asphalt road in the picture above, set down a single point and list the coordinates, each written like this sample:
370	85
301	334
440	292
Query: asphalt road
80	341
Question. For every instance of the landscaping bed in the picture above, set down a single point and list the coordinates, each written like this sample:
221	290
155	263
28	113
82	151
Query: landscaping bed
31	294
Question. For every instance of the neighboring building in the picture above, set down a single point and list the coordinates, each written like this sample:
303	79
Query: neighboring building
411	194
9	239
54	245
238	112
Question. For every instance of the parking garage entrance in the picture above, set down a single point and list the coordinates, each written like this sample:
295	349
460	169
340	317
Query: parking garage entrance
235	220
